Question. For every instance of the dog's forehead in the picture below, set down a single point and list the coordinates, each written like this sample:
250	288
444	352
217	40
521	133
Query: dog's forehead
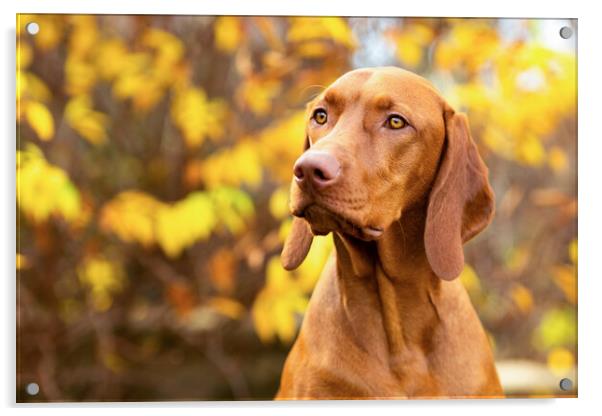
371	84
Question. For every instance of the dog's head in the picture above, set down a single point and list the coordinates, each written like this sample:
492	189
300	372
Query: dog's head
379	141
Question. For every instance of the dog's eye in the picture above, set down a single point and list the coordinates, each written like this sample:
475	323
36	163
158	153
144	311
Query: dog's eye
396	122
320	116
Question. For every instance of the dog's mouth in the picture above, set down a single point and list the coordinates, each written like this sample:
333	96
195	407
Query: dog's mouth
323	220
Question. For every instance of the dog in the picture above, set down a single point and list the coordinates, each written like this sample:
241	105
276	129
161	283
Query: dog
391	170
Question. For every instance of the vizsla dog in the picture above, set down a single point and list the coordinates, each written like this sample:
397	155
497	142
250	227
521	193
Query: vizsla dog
392	171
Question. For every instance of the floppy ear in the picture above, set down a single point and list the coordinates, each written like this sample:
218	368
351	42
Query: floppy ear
299	239
297	244
461	202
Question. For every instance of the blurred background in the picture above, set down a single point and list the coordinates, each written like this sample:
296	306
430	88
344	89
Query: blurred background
153	160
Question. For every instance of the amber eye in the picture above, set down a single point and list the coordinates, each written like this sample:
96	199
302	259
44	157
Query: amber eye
396	122
320	116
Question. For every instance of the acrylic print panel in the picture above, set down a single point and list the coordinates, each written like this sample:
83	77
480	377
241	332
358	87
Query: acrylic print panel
160	160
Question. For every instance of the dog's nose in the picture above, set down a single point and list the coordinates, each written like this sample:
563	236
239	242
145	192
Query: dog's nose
318	168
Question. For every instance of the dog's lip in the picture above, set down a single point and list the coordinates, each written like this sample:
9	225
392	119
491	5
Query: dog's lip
368	232
374	232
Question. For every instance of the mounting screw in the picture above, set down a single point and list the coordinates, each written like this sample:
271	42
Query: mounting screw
32	389
566	384
566	32
32	28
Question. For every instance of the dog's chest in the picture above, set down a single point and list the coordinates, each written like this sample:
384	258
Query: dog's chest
346	348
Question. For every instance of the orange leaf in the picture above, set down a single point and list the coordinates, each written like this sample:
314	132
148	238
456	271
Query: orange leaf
222	266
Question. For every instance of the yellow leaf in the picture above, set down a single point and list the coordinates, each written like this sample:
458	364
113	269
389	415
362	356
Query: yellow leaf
557	159
278	304
24	55
232	207
558	328
285	294
44	190
168	47
182	224
326	28
40	119
80	75
310	270
197	117
234	166
284	322
228	33
31	87
560	361
565	277
284	229
413	39
281	143
84	35
517	258
90	124
277	278
258	94
469	44
132	74
522	297
111	58
22	261
279	203
573	251
470	280
131	216
147	97
137	217
531	151
313	49
227	306
410	53
103	278
262	318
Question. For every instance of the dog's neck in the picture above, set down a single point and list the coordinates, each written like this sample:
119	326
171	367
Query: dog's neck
395	272
400	252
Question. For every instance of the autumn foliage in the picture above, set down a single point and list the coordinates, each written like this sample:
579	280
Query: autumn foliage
153	160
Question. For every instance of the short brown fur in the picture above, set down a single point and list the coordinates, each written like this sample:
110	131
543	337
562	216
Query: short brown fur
388	318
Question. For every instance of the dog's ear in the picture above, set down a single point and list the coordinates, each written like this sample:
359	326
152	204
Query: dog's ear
461	201
297	244
299	239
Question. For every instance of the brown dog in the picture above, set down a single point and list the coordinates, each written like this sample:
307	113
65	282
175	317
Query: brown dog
393	172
